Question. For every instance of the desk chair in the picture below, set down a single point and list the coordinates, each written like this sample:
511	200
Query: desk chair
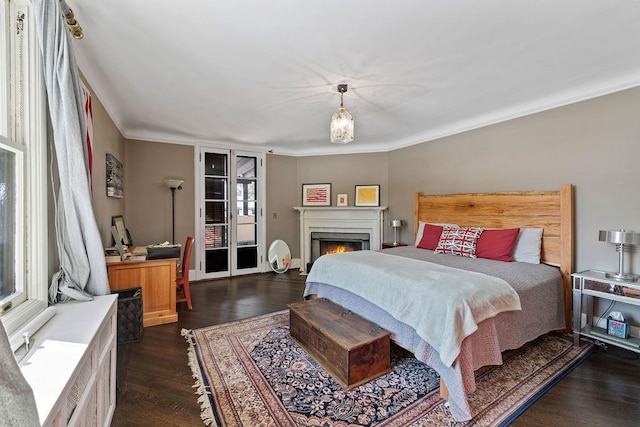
182	276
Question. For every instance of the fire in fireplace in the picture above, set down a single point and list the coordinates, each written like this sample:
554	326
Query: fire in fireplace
323	243
338	248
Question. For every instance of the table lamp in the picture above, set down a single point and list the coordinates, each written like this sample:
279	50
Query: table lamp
395	223
621	238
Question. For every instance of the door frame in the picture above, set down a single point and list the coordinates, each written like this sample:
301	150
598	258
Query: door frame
261	191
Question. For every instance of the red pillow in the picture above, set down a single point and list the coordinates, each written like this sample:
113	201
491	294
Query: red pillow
430	236
497	244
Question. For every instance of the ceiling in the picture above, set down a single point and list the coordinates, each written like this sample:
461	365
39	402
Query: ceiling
263	74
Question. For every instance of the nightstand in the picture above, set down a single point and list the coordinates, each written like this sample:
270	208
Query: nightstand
591	284
388	245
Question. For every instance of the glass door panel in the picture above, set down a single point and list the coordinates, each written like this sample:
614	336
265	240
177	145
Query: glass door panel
246	208
216	164
216	221
215	188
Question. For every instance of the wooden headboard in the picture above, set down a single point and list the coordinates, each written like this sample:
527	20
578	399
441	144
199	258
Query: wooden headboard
550	210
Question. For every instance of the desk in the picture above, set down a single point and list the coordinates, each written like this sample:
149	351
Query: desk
157	278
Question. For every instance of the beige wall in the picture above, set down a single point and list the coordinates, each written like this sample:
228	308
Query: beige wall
106	139
148	200
285	176
281	219
344	172
594	145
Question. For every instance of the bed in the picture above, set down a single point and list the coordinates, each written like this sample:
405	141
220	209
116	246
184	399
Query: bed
543	291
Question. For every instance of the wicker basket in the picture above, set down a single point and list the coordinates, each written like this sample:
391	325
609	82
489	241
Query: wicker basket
129	315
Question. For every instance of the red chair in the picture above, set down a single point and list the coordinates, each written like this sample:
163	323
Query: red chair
182	276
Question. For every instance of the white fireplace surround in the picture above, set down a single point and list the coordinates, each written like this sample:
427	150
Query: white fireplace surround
338	219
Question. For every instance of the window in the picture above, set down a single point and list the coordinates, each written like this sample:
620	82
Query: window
23	168
11	230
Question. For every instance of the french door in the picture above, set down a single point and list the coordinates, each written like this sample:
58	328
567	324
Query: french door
231	222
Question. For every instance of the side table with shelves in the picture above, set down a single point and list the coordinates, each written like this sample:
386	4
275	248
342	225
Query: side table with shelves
591	284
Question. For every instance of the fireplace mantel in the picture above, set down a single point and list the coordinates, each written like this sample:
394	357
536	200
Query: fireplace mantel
353	219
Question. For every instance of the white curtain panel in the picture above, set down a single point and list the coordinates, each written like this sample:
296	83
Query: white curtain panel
17	404
82	272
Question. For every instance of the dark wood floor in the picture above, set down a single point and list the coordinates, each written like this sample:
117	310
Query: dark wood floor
155	384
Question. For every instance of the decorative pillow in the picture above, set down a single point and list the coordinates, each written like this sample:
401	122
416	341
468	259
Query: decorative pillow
497	244
421	225
430	236
528	246
459	241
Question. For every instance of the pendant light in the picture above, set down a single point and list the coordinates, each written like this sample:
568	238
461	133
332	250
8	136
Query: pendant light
342	121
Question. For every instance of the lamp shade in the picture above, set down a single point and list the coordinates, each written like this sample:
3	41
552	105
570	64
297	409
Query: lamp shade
341	127
396	223
620	237
342	121
173	183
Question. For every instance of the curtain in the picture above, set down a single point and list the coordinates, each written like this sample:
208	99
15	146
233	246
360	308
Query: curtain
82	272
88	120
17	404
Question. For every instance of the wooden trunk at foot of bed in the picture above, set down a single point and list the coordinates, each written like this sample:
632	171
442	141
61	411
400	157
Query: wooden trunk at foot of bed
350	348
550	210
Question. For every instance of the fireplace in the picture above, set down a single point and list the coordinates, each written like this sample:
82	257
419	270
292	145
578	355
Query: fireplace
347	228
323	243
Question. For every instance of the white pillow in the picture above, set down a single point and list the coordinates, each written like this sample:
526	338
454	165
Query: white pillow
421	229
528	246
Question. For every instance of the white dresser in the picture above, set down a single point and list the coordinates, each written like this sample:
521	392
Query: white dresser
72	367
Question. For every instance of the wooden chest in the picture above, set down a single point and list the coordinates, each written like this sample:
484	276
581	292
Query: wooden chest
350	348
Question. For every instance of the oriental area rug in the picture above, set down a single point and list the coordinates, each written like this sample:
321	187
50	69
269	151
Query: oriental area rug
250	373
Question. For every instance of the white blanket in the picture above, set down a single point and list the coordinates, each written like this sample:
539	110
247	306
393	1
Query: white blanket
443	304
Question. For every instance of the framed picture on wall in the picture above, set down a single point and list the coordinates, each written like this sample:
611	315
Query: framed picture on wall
342	200
316	194
367	195
115	177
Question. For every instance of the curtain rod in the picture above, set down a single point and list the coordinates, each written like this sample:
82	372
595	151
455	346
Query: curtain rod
74	26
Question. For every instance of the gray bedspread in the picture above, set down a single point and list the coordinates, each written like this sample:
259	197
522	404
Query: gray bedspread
539	288
412	292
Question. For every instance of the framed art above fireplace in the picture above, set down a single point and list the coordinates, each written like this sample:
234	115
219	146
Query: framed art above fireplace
316	194
367	195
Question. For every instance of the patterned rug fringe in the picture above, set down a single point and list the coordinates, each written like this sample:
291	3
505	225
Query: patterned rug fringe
206	411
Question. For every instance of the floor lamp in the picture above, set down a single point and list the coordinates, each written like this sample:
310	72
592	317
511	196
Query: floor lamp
173	184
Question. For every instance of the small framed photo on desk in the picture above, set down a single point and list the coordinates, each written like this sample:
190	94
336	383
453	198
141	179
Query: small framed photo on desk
118	243
118	222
